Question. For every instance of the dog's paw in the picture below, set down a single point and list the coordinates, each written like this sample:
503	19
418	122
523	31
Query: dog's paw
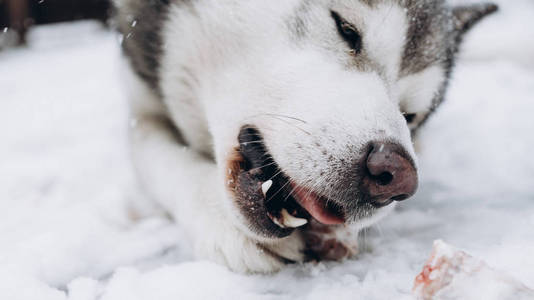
240	253
228	246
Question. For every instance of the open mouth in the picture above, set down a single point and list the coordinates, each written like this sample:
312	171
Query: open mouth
274	204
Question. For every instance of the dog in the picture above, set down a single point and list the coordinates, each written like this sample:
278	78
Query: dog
273	131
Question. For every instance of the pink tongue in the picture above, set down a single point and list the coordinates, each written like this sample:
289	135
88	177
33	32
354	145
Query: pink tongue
317	208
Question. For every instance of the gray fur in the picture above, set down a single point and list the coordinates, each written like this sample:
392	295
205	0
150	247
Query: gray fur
467	16
140	22
428	36
435	37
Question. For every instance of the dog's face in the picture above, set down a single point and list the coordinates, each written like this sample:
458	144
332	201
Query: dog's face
321	127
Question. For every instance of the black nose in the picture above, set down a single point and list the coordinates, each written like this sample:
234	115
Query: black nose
390	174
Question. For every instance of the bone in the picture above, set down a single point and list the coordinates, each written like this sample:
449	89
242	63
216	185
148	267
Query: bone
266	186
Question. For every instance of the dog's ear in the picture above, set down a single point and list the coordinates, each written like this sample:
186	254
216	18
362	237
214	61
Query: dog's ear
465	16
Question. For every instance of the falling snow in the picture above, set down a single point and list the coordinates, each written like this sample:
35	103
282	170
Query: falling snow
74	225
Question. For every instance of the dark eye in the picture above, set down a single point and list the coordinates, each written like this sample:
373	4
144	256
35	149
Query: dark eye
410	117
349	33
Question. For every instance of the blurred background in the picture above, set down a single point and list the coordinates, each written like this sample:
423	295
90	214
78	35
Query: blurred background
18	16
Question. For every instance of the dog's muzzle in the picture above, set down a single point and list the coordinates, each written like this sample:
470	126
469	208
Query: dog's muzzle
275	205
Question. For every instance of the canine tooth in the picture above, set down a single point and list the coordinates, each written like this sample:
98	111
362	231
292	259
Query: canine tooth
266	186
277	222
290	221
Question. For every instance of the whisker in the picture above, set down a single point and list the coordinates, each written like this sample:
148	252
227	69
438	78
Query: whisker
288	117
310	190
280	117
277	173
291	192
269	164
279	190
289	123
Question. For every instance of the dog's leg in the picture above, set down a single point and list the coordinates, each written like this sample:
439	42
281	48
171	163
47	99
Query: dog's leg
186	184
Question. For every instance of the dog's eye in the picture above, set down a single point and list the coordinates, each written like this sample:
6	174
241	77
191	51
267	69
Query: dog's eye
409	117
349	33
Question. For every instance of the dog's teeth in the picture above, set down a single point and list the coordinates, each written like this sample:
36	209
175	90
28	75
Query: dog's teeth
290	221
266	186
277	222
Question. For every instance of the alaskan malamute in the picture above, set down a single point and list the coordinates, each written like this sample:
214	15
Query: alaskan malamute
274	130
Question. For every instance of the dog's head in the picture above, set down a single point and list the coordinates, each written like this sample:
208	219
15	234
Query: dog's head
324	108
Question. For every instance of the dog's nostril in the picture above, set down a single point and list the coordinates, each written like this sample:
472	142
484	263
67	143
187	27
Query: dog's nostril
390	176
384	179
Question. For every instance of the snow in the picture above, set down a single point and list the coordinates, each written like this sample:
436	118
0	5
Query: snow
70	222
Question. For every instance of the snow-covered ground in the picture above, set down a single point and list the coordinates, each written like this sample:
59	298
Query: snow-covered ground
69	230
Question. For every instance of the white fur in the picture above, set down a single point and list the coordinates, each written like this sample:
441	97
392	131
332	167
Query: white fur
247	70
418	90
186	184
